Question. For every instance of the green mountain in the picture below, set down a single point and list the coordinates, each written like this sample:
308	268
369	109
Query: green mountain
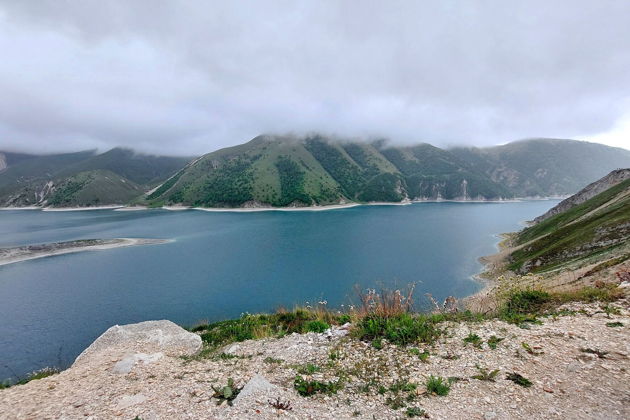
285	171
314	170
582	233
81	179
545	167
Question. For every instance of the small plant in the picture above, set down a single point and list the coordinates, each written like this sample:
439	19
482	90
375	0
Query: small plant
403	385
473	339
614	324
227	393
519	379
485	374
271	360
450	356
307	388
438	385
494	341
600	353
416	412
377	343
316	326
611	310
226	356
308	369
529	349
424	355
279	405
395	402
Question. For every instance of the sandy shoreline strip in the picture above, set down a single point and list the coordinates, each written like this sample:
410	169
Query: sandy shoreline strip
30	252
259	209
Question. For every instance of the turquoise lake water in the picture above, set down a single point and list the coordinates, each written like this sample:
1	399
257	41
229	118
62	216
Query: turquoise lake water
223	264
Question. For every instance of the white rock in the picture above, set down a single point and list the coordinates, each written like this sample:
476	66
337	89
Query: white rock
125	365
232	349
257	385
130	400
145	337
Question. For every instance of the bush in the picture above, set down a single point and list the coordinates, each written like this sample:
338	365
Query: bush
438	385
317	326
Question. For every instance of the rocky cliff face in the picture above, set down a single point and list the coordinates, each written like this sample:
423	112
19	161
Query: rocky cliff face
588	192
3	162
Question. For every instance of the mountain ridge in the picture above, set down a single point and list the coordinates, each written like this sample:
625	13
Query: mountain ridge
289	171
313	170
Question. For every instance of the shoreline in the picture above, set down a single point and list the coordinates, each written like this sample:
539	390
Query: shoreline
119	207
17	254
488	277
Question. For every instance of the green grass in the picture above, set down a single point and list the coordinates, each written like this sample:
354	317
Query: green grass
401	329
308	369
525	306
38	374
262	325
307	388
614	324
573	232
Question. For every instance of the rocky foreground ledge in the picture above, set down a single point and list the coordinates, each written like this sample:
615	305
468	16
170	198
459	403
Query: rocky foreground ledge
578	366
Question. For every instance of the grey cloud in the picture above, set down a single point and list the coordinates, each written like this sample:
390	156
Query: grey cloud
191	76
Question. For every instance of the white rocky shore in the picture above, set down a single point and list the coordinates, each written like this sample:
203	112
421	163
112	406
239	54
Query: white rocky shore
578	364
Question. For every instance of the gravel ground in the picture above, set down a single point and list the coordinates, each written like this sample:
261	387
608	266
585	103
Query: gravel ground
569	380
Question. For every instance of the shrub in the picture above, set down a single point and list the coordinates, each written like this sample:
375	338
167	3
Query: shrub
416	412
316	326
473	339
438	385
527	301
377	343
519	379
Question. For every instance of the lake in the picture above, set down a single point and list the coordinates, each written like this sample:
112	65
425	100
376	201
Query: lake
222	264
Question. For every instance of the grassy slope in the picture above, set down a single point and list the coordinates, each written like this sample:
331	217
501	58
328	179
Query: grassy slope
88	189
141	169
597	225
117	177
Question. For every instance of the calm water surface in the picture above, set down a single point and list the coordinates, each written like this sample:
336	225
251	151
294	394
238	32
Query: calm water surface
223	264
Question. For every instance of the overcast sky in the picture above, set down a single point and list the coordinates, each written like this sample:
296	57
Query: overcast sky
188	77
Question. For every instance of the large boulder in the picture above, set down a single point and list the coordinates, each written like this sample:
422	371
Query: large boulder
147	337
